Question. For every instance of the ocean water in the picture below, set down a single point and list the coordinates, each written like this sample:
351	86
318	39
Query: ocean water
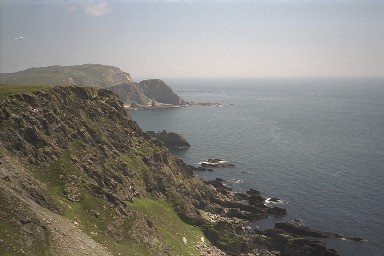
318	145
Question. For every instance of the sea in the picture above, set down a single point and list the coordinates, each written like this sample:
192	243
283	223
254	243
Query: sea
316	144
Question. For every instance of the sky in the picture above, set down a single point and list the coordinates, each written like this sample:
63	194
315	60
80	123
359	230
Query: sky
197	39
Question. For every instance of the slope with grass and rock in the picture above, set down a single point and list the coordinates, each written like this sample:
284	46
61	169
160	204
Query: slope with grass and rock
79	177
151	92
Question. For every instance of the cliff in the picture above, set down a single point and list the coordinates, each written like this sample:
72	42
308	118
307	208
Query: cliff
79	177
131	93
148	92
159	91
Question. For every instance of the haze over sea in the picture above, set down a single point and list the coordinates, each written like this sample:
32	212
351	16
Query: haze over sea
317	144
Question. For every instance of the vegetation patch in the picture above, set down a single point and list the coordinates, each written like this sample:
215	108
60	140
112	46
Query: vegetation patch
6	90
179	236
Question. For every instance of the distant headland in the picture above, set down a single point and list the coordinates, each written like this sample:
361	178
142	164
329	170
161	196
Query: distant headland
147	94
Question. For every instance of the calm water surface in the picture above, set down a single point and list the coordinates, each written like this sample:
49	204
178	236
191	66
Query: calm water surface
316	144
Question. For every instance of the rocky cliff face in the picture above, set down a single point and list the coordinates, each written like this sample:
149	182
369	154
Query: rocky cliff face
79	177
170	140
146	92
157	90
131	93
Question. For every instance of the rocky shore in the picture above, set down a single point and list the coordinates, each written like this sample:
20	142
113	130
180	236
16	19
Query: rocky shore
298	229
241	209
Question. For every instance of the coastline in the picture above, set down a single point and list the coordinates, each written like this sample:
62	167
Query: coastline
336	237
166	106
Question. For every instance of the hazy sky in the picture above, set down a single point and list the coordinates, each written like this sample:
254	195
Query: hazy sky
159	39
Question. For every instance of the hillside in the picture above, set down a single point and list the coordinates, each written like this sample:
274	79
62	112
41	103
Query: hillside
86	75
79	177
140	94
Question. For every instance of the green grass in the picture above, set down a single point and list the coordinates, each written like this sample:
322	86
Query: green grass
60	75
169	225
81	211
6	90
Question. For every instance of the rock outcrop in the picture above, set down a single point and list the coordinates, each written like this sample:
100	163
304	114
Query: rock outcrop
170	140
79	177
131	94
297	229
153	93
159	91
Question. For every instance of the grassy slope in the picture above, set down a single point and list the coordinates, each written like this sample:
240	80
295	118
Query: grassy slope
169	227
6	90
58	75
30	78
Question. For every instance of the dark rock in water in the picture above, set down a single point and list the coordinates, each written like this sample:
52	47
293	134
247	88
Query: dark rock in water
170	139
252	192
200	169
277	211
304	231
301	247
256	199
216	163
294	245
358	239
295	228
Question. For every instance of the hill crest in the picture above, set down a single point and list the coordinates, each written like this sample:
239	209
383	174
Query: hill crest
85	75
